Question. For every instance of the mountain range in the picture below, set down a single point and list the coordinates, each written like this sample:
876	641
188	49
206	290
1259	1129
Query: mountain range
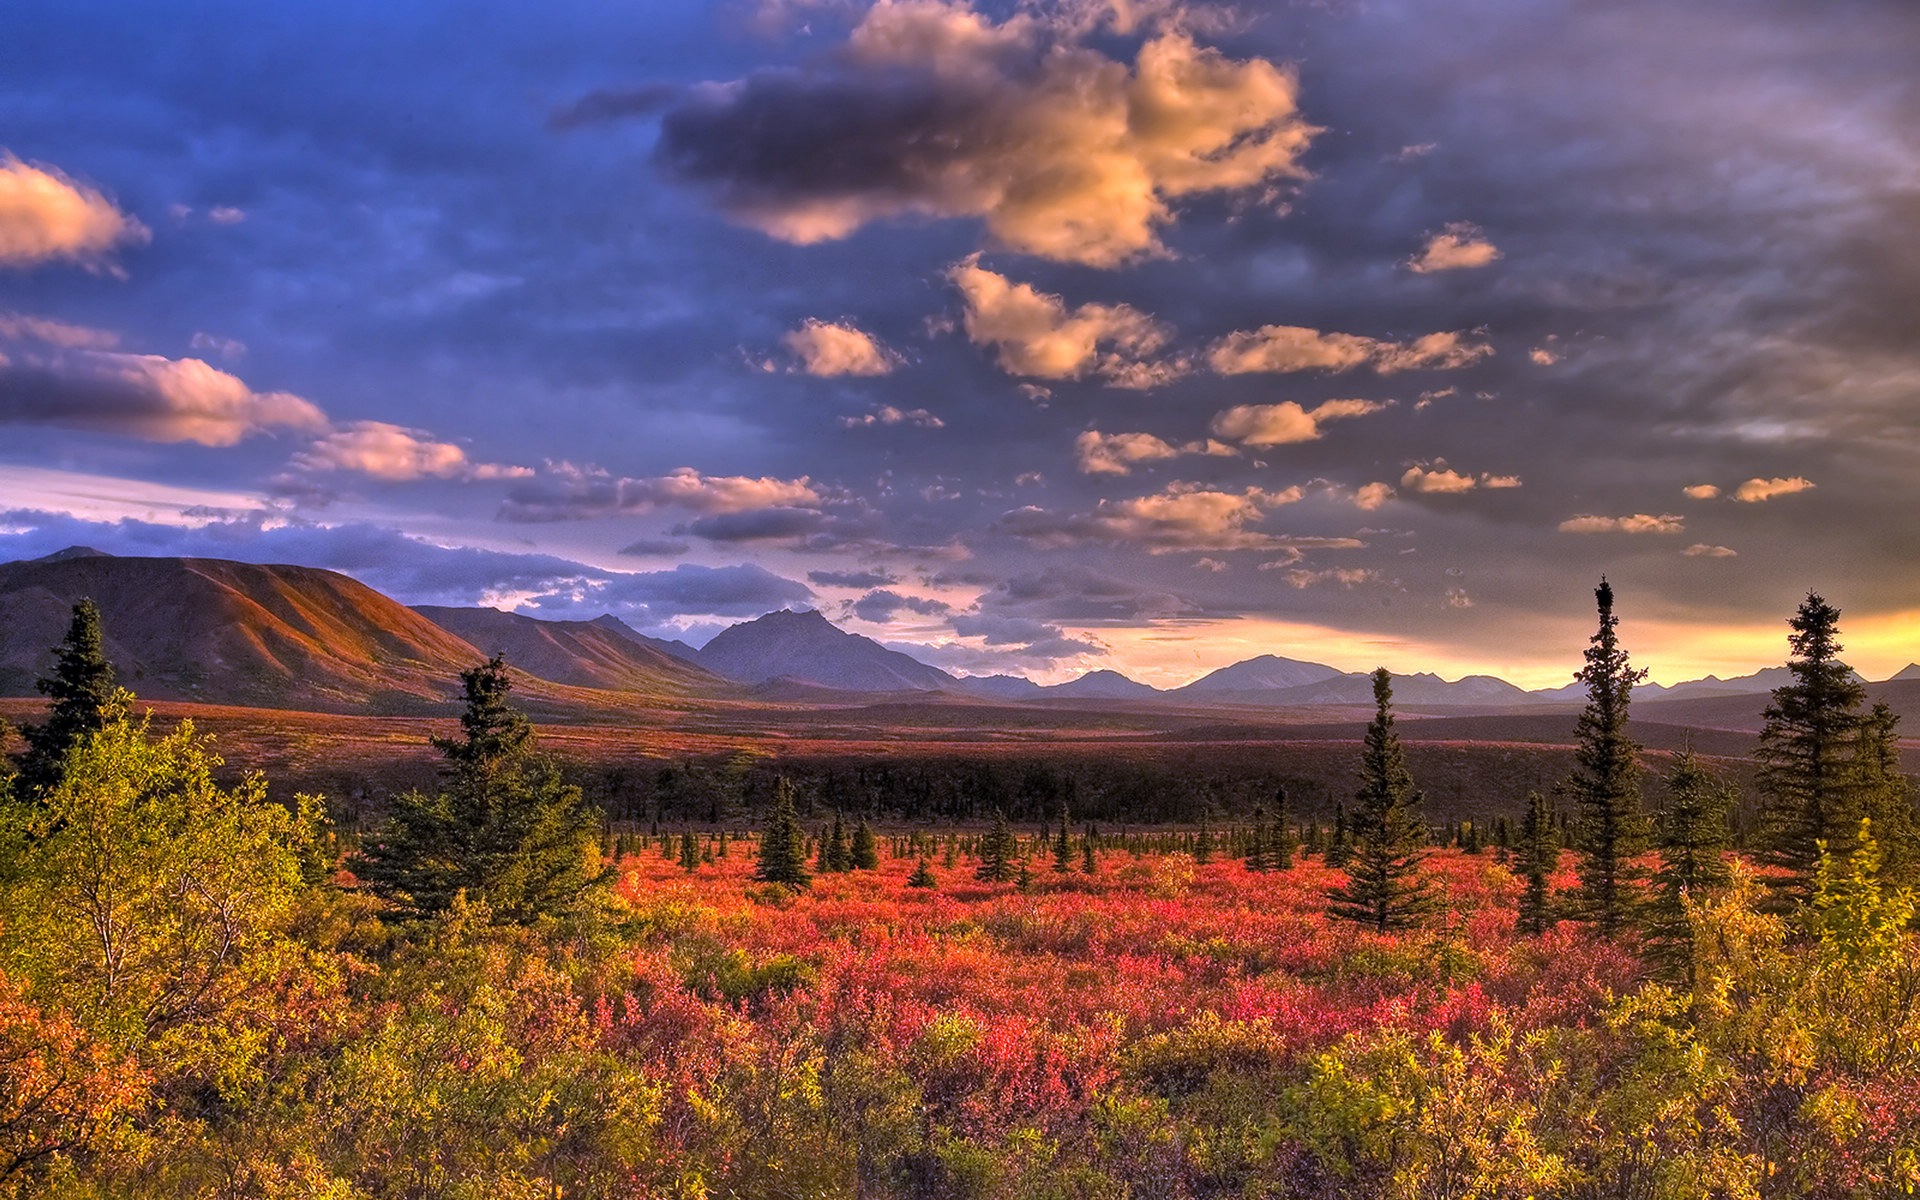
280	636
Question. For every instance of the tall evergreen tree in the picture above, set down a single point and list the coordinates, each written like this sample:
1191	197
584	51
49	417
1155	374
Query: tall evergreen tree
689	852
922	876
1605	785
1280	833
1339	840
1539	854
1063	846
1384	890
1887	796
505	829
83	701
998	851
865	853
1203	840
1809	777
783	847
1694	839
837	854
1255	854
1089	862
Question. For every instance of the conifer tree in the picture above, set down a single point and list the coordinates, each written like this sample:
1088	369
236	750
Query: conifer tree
1256	848
1203	840
1384	890
1693	839
865	854
1063	846
1089	864
838	853
1539	854
689	852
505	829
1280	834
1809	777
950	857
1339	842
997	851
922	876
783	847
1023	878
1887	796
1606	780
83	700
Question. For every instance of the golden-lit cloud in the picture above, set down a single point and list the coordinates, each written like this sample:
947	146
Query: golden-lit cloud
1437	478
566	492
1286	422
1753	491
145	396
887	414
396	454
46	216
1344	577
933	109
1370	496
828	348
1037	335
22	327
1459	247
1705	550
1118	453
1284	348
1637	523
1701	491
1183	517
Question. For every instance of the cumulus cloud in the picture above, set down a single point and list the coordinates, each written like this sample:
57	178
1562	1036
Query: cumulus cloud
880	606
397	454
145	396
1370	496
1460	246
1753	491
1036	335
566	492
828	348
1184	517
1637	523
932	109
21	327
1438	478
45	216
1082	596
1285	348
1701	491
1286	422
887	414
1704	550
1118	453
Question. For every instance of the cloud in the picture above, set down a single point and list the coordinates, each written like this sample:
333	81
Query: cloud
932	109
1036	335
758	525
44	216
1438	478
1286	422
396	454
1082	596
145	396
1024	636
1345	577
1285	348
570	493
1118	453
1370	496
827	349
654	547
879	606
1637	523
1753	491
1704	550
22	327
1540	356
1184	517
226	214
852	579
1701	491
887	414
1460	247
228	348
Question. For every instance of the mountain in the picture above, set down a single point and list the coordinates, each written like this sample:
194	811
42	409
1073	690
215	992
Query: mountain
1002	687
673	647
231	633
1102	685
588	654
1421	688
1266	673
1910	671
806	647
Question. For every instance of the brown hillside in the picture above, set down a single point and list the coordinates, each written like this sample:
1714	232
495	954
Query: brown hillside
578	653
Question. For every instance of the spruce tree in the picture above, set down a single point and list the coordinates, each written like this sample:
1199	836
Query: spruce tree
839	854
1280	834
922	876
505	829
783	847
997	851
83	699
1809	778
865	854
1605	784
1063	846
1203	841
1887	796
1694	840
1384	890
1538	853
1256	849
689	852
1089	864
1339	842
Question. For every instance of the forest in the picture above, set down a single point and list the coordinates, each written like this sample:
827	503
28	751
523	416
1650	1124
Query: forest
495	988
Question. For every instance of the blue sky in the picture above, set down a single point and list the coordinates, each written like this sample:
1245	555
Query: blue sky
1035	337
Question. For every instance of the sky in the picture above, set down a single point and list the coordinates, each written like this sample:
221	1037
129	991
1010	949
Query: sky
1028	337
